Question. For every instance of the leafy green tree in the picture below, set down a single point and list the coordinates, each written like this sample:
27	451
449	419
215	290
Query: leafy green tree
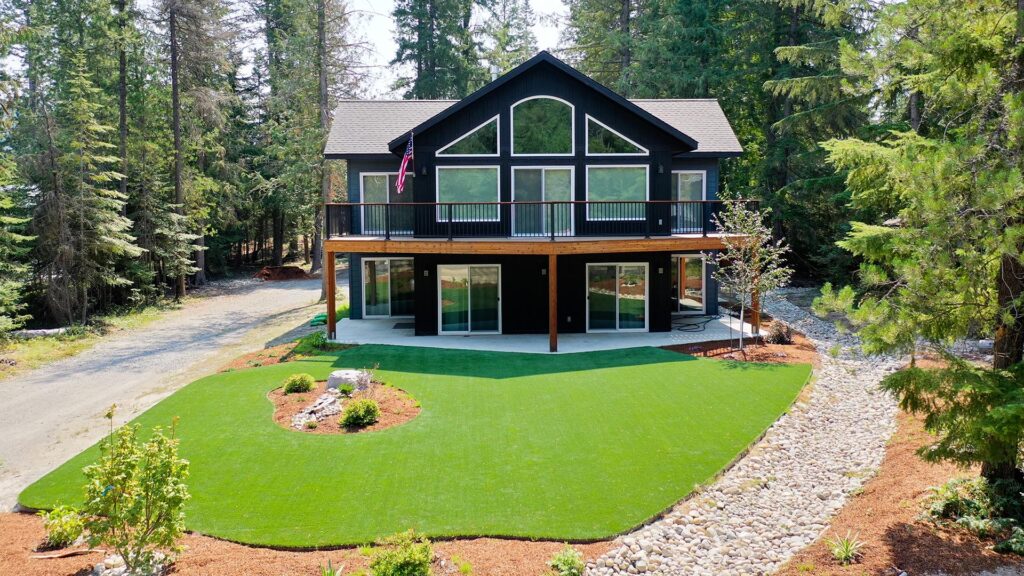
435	39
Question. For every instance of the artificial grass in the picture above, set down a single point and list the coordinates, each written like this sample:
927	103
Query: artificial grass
566	447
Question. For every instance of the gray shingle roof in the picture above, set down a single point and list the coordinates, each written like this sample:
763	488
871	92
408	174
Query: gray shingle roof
366	126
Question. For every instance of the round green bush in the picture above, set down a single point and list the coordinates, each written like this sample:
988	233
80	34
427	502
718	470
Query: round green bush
63	525
298	383
359	413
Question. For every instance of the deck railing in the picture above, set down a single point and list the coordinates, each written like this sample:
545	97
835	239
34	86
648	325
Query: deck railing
555	219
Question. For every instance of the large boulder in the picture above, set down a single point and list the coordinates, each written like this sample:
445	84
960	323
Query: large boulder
358	379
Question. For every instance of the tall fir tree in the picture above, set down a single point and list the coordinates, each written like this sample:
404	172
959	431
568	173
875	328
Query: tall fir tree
435	39
507	34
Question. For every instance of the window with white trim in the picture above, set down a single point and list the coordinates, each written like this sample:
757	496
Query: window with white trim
466	187
381	188
689	188
480	141
604	141
618	191
531	187
542	126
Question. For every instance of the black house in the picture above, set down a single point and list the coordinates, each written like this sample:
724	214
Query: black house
542	203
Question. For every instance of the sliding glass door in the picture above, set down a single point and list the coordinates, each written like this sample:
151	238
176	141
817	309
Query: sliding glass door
617	297
388	287
470	298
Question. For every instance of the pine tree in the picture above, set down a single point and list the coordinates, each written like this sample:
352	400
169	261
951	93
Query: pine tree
435	39
601	38
507	34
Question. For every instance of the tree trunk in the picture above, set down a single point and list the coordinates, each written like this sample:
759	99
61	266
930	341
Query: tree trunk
742	310
200	278
277	222
179	191
325	121
122	99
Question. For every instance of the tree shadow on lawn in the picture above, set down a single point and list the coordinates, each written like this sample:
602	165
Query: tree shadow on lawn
921	548
499	365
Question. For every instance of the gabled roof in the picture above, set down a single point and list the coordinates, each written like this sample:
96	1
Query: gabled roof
365	127
542	57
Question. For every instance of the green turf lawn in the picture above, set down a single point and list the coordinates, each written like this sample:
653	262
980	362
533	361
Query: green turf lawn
566	447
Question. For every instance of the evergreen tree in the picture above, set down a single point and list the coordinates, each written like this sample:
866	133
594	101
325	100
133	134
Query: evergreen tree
435	39
601	38
507	34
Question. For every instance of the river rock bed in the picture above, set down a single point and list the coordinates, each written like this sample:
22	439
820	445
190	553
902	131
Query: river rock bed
780	496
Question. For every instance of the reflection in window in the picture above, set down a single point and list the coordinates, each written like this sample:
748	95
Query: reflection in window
603	140
542	126
467	185
616	184
382	189
482	141
534	185
687	212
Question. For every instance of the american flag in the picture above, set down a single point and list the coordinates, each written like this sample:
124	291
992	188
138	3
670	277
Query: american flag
400	184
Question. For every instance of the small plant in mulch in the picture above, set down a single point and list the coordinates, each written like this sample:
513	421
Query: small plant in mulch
567	562
402	554
845	549
298	383
989	510
360	413
64	525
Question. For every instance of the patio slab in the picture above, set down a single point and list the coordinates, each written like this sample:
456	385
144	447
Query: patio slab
399	332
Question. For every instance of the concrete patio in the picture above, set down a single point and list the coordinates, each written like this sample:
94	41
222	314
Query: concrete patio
399	332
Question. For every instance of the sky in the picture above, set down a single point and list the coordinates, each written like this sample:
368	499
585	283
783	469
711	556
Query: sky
375	26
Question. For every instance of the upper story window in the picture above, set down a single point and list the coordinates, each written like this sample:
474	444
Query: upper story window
603	141
379	188
542	126
480	141
468	193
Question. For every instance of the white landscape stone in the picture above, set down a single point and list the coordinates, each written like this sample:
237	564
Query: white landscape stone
782	494
326	405
358	379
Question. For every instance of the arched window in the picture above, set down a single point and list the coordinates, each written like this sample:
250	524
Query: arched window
542	126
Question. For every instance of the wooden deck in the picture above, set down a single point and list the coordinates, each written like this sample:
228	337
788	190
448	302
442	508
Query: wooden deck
522	246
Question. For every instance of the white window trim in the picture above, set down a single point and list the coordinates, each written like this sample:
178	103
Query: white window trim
703	286
496	119
363	273
647	296
647	190
589	119
543	192
469	267
572	128
443	217
703	196
387	199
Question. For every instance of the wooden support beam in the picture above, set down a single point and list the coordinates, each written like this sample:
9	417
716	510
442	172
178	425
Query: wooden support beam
332	289
553	302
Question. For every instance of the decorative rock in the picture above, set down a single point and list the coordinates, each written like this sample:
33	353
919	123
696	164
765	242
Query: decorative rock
358	379
745	524
326	405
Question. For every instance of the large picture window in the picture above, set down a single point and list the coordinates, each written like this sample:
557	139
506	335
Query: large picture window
379	189
531	186
467	187
480	141
542	126
618	191
388	287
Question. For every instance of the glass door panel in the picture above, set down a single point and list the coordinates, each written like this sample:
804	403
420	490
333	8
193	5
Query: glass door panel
529	187
601	297
454	295
376	293
688	189
403	302
691	285
375	191
632	297
483	298
401	213
558	188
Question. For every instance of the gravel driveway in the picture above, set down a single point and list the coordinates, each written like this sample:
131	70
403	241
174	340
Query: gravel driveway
54	412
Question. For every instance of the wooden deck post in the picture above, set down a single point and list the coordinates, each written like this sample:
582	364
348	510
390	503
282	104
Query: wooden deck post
332	307
553	302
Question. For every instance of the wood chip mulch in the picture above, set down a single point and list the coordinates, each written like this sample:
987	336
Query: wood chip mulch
20	534
265	357
801	351
885	516
396	407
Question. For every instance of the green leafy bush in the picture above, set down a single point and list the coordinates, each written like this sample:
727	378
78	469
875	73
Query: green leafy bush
346	389
403	554
63	526
359	413
987	509
297	383
958	498
567	562
1014	544
846	549
135	495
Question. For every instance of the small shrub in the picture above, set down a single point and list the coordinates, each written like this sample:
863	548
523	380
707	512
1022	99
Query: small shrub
403	554
298	383
845	550
779	333
959	498
317	340
1012	545
464	567
567	562
63	525
330	570
346	389
360	413
835	350
311	424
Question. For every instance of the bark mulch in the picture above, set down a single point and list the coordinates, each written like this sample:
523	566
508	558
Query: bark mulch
20	534
885	516
801	351
396	407
265	357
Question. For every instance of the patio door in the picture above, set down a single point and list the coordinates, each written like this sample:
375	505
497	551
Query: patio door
469	298
617	297
388	287
688	284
